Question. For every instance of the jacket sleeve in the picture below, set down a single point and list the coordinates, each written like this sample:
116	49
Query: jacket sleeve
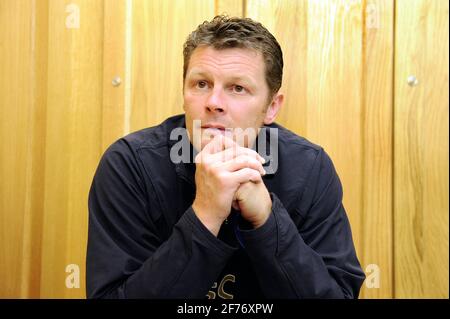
125	256
316	258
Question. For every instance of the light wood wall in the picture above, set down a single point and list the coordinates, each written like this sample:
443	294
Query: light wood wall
345	81
421	150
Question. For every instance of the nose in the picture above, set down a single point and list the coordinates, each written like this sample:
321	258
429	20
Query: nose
215	102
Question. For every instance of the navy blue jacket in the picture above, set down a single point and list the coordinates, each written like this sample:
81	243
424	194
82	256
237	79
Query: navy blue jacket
145	241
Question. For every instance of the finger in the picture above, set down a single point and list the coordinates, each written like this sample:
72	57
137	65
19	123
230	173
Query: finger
237	151
241	162
218	144
246	175
210	148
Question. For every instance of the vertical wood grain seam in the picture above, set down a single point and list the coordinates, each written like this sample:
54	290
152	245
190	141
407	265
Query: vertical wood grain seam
128	48
27	224
364	129
393	203
392	150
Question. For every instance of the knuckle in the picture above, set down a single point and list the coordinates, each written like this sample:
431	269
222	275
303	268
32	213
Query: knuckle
243	159
253	154
222	179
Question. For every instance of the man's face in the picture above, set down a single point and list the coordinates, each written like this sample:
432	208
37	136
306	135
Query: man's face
227	89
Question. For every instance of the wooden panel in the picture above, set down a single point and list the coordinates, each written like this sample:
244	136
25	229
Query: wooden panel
232	8
421	150
31	266
22	129
159	31
287	20
16	95
115	119
376	228
73	139
334	95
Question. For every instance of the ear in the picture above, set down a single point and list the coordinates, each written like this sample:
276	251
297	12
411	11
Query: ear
273	108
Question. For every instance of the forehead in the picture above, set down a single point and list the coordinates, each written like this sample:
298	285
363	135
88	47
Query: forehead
224	61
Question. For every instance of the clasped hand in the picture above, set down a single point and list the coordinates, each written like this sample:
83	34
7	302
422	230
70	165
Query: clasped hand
228	175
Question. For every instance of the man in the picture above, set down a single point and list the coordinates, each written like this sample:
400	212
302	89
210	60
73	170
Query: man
223	225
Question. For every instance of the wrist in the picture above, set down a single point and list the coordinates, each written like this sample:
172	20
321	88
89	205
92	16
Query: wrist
263	217
212	223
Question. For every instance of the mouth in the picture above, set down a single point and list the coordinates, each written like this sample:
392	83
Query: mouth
214	126
213	129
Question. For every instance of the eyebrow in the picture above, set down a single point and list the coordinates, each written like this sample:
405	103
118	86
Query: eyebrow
232	78
242	77
197	73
